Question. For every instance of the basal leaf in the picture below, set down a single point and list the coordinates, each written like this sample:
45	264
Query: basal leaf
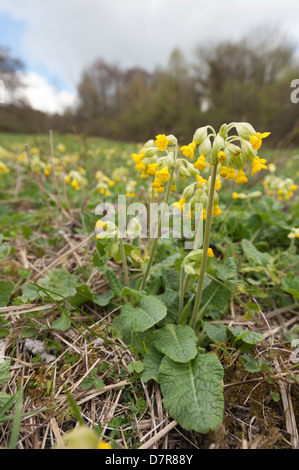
149	312
291	286
192	392
114	282
152	362
215	332
61	282
253	255
4	372
5	292
178	342
249	337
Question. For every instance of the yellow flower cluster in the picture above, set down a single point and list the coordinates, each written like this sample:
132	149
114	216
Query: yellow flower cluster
3	168
150	163
104	183
279	188
76	179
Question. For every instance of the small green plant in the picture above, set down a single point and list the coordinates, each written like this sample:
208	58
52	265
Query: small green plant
168	329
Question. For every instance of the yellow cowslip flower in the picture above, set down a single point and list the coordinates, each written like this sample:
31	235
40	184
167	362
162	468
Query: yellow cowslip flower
188	150
107	193
158	186
223	171
221	156
241	177
210	253
235	195
137	157
216	210
257	165
111	183
200	180
173	187
180	204
293	187
104	445
75	185
101	190
140	166
256	139
161	142
100	224
67	179
231	174
288	195
163	174
152	168
3	168
47	170
203	215
218	184
200	163
144	174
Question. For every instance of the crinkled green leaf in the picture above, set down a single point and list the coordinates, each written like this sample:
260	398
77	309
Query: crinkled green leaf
215	297
149	311
192	392
253	255
228	269
61	282
4	397
62	323
114	282
215	332
4	250
103	299
291	286
249	337
4	372
5	292
178	342
152	362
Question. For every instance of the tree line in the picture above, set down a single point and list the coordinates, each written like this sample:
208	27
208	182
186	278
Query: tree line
244	80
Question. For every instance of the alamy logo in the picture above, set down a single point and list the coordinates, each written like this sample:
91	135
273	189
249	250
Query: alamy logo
2	92
156	220
295	93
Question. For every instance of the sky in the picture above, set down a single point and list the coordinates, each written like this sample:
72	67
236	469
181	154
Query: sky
57	39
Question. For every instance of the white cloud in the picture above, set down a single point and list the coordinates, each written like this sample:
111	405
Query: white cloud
43	96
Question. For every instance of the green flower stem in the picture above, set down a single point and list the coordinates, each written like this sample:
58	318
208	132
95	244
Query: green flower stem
290	252
152	198
124	261
155	240
195	316
182	293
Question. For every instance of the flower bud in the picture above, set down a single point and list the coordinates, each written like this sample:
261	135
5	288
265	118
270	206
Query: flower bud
245	130
172	139
248	151
149	143
188	192
223	131
205	147
200	135
150	151
191	168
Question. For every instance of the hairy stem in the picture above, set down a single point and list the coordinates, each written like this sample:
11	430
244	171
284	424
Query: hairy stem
195	316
